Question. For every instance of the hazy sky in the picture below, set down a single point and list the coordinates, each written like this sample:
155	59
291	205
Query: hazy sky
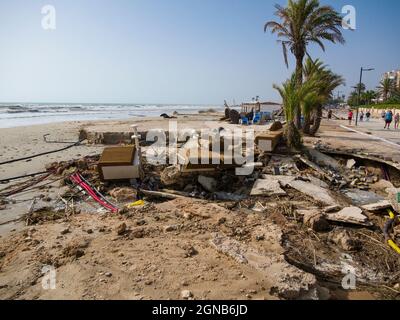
171	51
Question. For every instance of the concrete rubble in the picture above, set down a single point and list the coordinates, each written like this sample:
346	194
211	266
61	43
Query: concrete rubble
294	222
289	281
352	215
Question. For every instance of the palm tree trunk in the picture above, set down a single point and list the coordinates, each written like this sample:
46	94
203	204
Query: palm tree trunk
299	81
317	121
307	124
292	136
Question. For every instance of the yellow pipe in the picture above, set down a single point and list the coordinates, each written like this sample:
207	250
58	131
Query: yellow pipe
394	246
391	243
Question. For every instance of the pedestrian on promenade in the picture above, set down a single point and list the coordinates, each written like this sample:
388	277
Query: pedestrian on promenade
396	121
330	115
350	116
368	115
361	116
388	119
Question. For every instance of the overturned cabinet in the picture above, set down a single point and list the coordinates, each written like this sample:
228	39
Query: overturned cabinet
120	163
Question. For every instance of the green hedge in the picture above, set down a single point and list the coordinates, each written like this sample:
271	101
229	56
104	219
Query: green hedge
382	106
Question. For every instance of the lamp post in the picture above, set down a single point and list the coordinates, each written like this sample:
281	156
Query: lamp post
359	91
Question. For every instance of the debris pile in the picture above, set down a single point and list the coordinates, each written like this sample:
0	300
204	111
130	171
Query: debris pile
300	219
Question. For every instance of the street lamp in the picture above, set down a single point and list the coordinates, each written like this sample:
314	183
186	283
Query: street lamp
359	91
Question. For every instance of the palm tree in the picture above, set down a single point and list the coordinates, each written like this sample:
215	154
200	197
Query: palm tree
294	98
322	83
368	96
304	22
360	87
386	88
291	104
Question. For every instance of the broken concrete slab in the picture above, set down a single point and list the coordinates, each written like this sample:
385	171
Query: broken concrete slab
332	209
315	220
323	159
350	164
267	187
288	282
312	190
317	182
378	206
352	215
360	197
317	193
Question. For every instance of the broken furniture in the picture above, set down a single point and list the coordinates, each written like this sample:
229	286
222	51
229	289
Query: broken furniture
268	141
119	163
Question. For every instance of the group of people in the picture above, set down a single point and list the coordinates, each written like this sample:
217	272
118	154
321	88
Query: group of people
367	116
388	116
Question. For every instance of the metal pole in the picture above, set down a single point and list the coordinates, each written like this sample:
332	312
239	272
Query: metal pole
359	96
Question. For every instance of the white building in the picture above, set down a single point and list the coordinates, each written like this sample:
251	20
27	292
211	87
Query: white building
394	75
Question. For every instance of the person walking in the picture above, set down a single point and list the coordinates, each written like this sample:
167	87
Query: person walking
350	116
330	115
383	115
361	116
368	115
396	121
388	119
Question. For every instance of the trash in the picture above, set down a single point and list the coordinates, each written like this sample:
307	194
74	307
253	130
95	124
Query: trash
352	215
159	194
226	196
119	163
136	204
346	242
394	198
171	175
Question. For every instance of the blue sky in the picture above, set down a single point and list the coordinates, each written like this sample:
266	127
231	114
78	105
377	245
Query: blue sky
171	51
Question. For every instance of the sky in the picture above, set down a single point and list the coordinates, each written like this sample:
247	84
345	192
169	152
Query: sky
172	51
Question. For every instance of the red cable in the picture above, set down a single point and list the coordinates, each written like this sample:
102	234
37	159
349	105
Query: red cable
77	180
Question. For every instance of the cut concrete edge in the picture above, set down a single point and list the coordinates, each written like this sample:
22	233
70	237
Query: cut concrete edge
287	281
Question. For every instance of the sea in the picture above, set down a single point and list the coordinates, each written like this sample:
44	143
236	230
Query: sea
26	114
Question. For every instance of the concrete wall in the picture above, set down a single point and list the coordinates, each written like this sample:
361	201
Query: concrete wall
376	113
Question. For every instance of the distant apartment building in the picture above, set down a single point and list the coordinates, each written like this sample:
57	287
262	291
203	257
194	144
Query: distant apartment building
394	75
